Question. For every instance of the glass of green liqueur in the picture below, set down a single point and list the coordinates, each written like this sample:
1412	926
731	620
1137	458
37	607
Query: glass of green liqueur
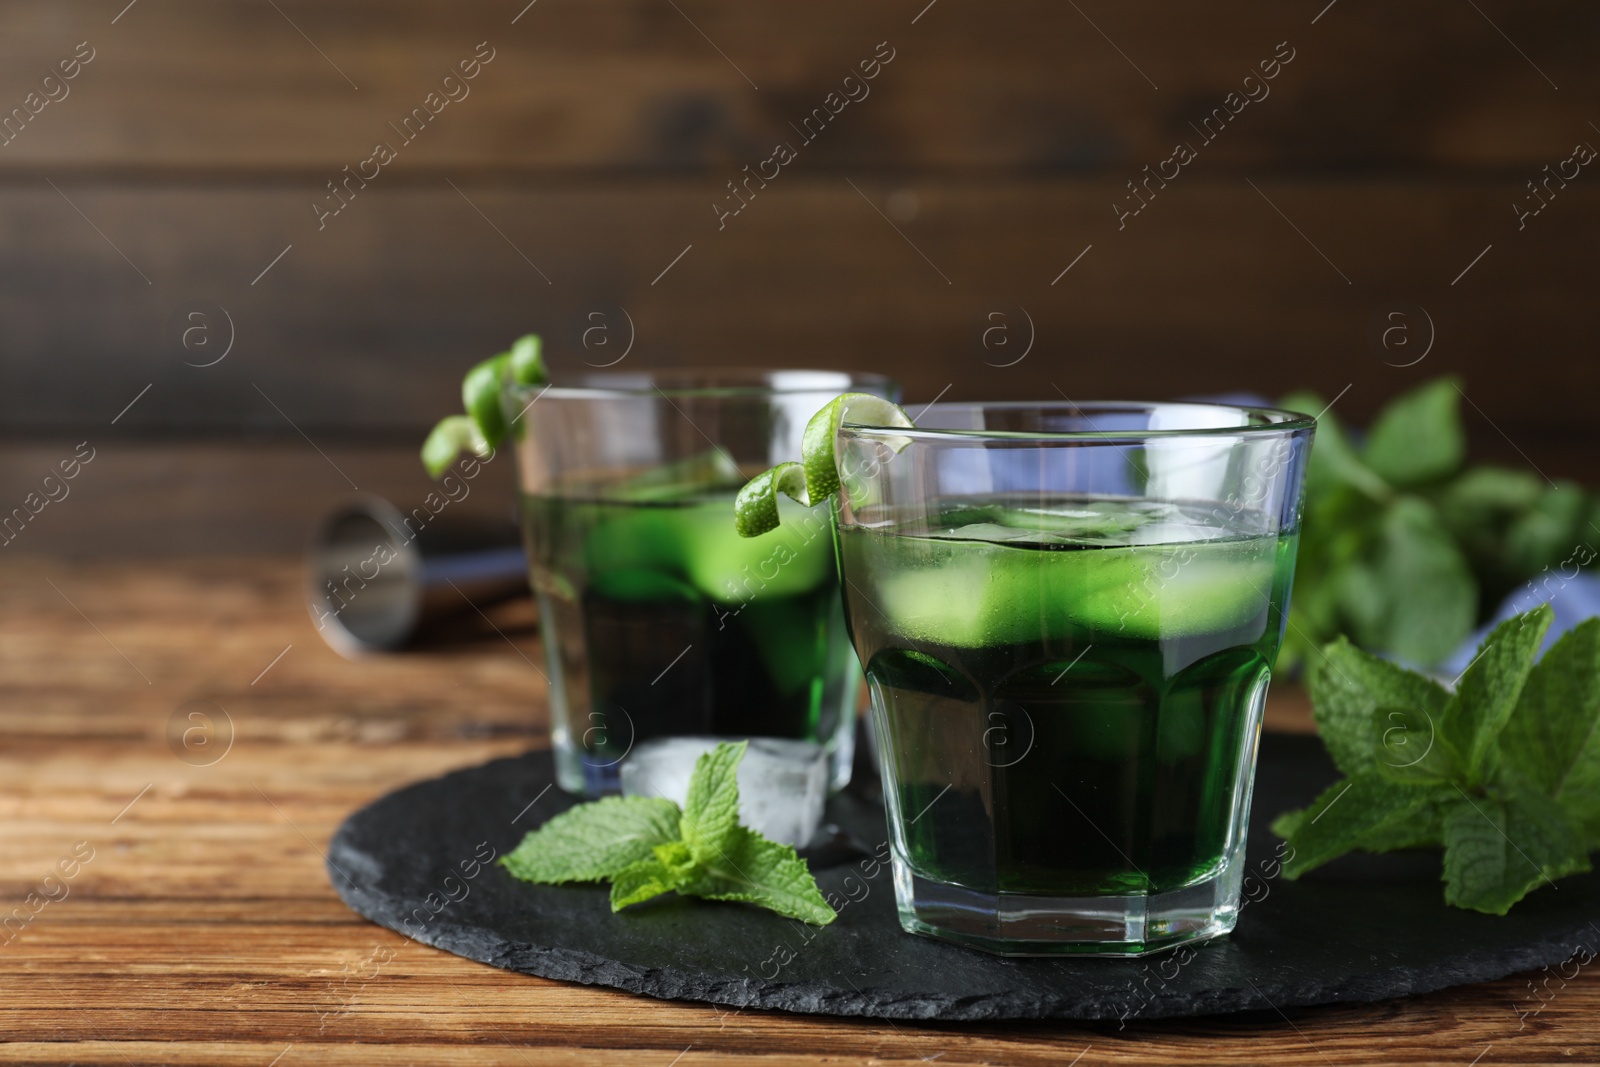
1068	617
657	619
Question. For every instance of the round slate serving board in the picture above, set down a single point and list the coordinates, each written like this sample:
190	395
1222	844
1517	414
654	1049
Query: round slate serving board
1361	929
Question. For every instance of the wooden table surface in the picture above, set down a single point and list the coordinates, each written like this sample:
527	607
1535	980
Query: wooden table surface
201	927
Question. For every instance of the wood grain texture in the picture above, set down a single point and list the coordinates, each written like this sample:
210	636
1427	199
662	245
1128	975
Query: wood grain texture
189	153
203	930
216	498
187	86
365	326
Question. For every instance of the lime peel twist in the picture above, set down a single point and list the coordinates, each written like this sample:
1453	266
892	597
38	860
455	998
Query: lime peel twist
816	476
484	426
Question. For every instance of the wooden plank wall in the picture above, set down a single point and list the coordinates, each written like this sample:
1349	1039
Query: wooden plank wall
575	182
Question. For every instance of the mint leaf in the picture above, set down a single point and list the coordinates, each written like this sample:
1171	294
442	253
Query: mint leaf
1334	460
1498	847
1340	820
1418	437
1425	829
1552	740
639	882
1348	686
1490	686
594	841
1412	593
1411	749
667	869
1543	534
1480	507
1486	491
1288	824
711	810
754	870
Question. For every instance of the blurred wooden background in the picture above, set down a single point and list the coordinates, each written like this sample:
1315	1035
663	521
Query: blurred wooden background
572	190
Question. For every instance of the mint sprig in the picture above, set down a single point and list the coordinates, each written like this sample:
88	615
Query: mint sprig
1503	773
1405	548
483	427
646	846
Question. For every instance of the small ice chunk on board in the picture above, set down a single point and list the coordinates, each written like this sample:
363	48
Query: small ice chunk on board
782	784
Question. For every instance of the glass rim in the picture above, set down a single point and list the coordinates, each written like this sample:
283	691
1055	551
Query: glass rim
1274	422
692	382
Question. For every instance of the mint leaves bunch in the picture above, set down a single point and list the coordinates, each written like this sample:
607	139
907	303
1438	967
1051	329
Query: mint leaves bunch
483	427
1504	773
1404	549
646	846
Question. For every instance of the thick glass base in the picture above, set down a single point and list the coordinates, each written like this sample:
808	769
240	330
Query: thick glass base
1016	924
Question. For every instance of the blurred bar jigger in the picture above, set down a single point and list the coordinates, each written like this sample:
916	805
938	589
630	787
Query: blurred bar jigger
375	578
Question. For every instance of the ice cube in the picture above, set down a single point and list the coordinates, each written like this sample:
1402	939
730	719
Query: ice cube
782	784
730	569
973	595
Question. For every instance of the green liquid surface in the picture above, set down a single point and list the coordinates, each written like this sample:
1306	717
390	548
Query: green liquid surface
1067	690
659	620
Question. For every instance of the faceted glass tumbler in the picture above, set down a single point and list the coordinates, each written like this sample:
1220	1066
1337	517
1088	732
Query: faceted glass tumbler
1068	616
657	618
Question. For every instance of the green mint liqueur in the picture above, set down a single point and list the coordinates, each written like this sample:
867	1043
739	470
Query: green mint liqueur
1068	689
661	621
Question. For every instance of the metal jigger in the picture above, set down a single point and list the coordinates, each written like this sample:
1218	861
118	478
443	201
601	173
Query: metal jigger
375	578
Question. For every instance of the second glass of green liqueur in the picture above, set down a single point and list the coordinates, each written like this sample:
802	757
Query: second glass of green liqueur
657	619
1068	617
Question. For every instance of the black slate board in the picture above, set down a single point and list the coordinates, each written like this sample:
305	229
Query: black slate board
1364	928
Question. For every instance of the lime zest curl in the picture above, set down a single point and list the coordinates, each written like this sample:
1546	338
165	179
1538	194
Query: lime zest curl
816	476
755	509
483	427
453	435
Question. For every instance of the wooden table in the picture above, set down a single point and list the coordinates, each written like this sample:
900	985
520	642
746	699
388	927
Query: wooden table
203	929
